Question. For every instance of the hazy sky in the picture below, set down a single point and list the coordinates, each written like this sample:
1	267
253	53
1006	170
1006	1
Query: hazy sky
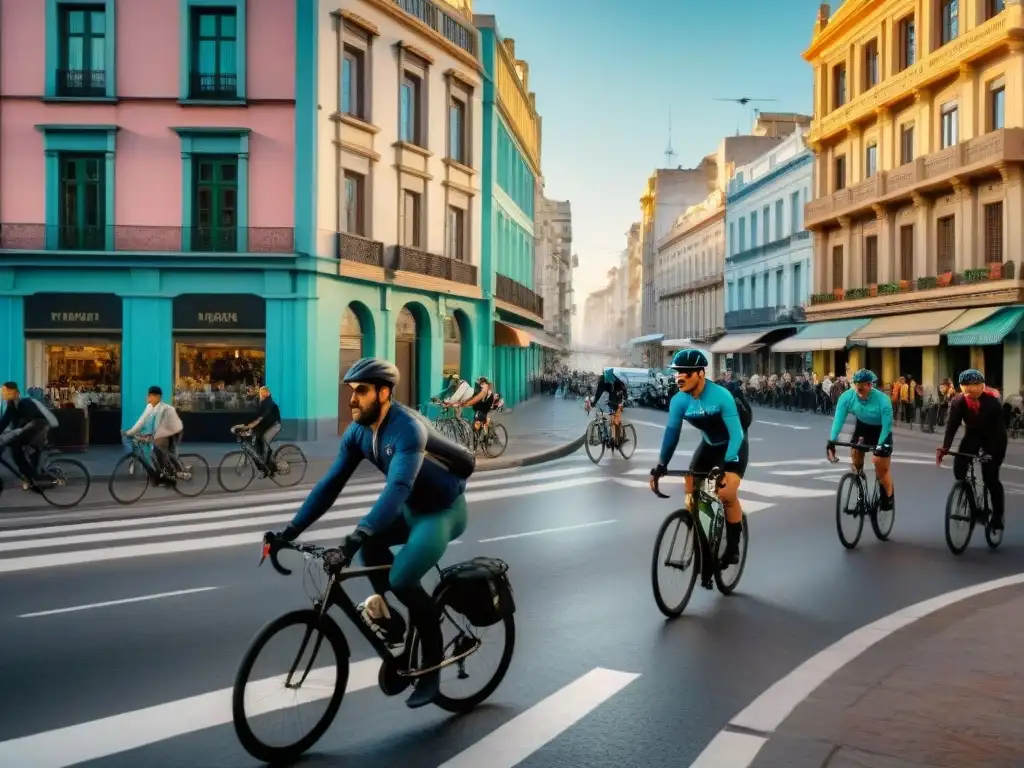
606	72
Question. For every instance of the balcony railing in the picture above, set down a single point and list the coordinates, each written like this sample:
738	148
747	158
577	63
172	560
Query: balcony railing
718	278
772	247
432	265
518	295
81	82
441	21
40	237
213	87
980	276
360	249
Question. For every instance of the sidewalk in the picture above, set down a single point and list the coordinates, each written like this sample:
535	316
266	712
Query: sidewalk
947	690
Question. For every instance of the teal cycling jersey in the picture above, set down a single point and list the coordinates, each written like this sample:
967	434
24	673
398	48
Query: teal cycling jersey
875	411
714	414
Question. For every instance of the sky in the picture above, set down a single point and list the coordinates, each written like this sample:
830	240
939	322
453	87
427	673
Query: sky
606	73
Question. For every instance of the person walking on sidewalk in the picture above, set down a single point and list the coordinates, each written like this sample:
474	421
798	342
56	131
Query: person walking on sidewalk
161	422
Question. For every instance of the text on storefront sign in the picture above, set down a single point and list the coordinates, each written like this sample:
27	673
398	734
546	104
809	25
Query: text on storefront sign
218	317
75	317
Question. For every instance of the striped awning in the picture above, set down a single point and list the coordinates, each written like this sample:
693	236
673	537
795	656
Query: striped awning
991	330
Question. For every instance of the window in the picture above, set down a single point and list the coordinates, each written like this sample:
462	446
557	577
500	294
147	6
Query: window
871	65
82	202
743	236
837	267
753	291
840	173
994	233
457	130
838	86
218	375
993	7
907	252
352	79
215	197
997	106
766	232
409	117
870	161
741	290
753	229
871	260
764	283
949	20
214	73
949	125
798	282
780	299
456	233
82	64
411	229
779	214
907	43
794	213
355	202
946	244
907	144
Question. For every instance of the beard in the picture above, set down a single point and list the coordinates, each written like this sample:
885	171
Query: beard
367	417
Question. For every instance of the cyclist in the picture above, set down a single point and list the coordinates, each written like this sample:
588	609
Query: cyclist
711	408
30	422
266	426
617	391
160	421
482	401
979	409
457	393
872	410
422	506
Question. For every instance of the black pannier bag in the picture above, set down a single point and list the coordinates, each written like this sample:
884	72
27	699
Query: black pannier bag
478	589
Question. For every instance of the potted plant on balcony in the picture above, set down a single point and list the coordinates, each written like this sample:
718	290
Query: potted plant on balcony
944	280
1009	270
838	293
889	289
981	275
904	286
926	283
873	290
995	271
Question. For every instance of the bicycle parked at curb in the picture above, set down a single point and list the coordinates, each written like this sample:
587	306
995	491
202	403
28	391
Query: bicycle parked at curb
238	469
456	593
451	424
599	438
63	482
969	503
187	473
867	503
705	558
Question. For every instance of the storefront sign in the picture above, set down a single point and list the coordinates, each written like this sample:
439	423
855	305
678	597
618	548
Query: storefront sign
237	312
73	312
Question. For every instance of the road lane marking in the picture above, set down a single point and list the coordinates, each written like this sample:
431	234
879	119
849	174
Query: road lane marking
76	744
773	490
547	530
124	601
786	426
516	740
730	749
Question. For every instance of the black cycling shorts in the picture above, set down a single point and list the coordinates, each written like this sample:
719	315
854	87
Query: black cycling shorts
870	434
707	457
481	416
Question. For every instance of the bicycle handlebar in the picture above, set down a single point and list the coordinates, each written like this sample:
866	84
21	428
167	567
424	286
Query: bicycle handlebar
856	446
272	546
984	458
715	474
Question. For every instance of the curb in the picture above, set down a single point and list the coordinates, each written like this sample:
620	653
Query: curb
541	457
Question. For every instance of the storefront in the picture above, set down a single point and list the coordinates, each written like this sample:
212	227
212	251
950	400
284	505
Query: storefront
219	362
73	362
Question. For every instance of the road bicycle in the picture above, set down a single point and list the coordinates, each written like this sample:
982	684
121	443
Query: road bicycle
397	672
491	439
970	503
705	558
238	469
187	473
599	438
451	424
867	503
62	482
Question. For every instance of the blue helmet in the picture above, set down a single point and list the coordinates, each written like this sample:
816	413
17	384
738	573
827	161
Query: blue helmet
972	376
609	375
691	359
864	376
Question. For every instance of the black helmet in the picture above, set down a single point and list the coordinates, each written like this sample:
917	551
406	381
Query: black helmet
373	370
692	359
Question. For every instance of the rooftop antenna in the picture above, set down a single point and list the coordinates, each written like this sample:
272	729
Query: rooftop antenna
670	154
743	101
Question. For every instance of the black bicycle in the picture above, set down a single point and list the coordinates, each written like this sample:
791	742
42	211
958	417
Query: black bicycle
860	502
61	481
970	503
476	590
238	469
187	473
599	437
704	558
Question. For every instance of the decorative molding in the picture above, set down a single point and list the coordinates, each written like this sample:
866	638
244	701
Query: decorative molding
392	9
467	191
844	221
417	52
920	95
354	122
881	212
462	77
355	149
356	20
415	149
413	172
459	166
1010	174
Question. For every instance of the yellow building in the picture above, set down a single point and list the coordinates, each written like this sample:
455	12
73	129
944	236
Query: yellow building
918	204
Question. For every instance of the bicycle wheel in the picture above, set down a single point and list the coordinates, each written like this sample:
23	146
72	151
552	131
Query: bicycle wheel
193	476
959	517
993	537
314	627
71	481
628	445
465	432
289	465
850	508
882	520
678	525
496	442
729	578
130	477
235	472
595	443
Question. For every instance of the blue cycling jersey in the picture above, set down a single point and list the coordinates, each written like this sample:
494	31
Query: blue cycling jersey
713	413
398	449
875	411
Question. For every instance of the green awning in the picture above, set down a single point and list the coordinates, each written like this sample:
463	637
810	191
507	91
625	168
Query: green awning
987	332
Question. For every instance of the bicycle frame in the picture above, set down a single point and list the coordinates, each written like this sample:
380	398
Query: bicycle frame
247	441
977	489
868	496
717	521
42	454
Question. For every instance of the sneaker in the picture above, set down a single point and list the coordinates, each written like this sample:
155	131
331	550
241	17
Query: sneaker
886	502
731	556
426	690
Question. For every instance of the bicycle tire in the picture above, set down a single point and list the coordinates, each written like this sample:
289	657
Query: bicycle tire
135	465
684	517
993	537
882	532
292	464
236	462
339	644
627	441
958	500
594	434
489	447
194	460
841	512
728	587
57	462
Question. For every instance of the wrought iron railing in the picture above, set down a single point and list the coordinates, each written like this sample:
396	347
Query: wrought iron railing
213	87
360	249
81	82
425	263
443	22
517	294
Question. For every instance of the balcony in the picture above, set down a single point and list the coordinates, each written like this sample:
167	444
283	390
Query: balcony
978	157
518	295
770	248
432	265
81	83
125	239
760	316
717	278
441	21
213	87
360	249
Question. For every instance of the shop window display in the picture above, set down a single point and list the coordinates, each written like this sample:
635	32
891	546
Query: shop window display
78	375
218	376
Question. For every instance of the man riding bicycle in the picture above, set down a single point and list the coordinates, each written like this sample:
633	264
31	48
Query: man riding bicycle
711	408
979	409
872	410
618	392
30	423
422	506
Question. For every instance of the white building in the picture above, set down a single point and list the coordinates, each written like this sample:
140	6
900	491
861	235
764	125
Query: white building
554	262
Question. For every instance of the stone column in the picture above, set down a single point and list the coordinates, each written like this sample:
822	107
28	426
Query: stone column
845	240
924	260
885	140
967	237
884	233
970	124
1013	213
822	264
923	123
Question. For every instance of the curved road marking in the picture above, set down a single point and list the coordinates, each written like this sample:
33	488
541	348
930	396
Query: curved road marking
736	745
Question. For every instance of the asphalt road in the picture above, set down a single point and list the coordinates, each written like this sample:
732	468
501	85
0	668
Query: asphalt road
119	684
